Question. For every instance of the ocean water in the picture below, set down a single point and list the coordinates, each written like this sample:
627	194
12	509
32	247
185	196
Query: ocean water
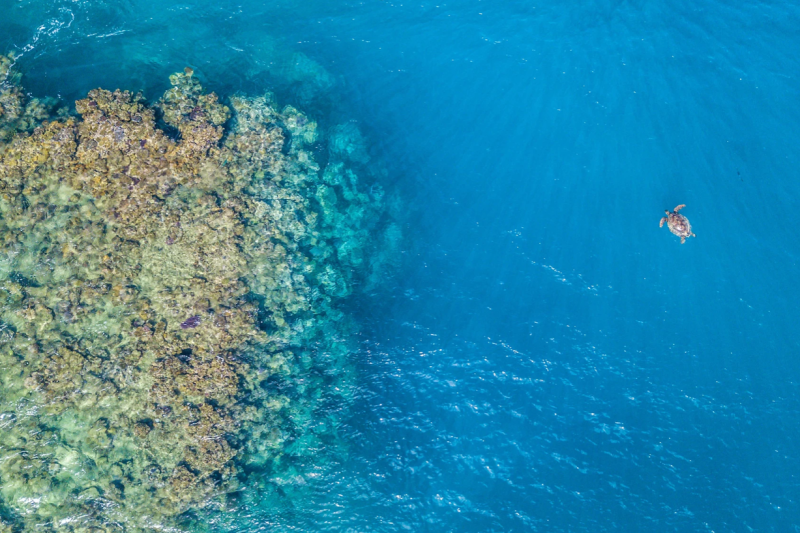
543	357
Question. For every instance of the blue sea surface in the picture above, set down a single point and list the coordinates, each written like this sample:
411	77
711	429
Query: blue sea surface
545	358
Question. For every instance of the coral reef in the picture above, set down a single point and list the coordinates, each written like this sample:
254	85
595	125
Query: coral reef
170	313
17	113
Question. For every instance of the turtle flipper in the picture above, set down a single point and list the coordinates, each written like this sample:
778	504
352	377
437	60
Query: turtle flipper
661	224
693	235
683	240
679	208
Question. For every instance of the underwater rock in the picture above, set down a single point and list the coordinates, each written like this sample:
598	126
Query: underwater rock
170	317
191	322
347	143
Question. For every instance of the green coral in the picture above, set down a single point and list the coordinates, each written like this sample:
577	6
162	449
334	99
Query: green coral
155	292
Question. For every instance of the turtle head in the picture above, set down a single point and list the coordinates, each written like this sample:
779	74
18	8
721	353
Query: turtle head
667	211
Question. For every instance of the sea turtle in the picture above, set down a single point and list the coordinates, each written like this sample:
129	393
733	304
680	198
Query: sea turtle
677	224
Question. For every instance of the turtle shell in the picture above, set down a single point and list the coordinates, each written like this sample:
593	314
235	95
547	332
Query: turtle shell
679	225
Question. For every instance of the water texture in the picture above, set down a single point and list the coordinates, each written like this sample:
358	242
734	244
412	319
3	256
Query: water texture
546	357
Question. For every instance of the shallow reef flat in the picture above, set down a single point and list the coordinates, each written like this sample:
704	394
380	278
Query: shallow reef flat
171	278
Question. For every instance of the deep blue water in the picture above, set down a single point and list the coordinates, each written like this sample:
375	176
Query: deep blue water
546	358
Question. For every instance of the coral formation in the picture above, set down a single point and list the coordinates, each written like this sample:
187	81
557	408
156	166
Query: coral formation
170	315
17	113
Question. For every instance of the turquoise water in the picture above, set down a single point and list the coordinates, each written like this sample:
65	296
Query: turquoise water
545	358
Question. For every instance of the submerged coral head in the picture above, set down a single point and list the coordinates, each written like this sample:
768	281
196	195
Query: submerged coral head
191	322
